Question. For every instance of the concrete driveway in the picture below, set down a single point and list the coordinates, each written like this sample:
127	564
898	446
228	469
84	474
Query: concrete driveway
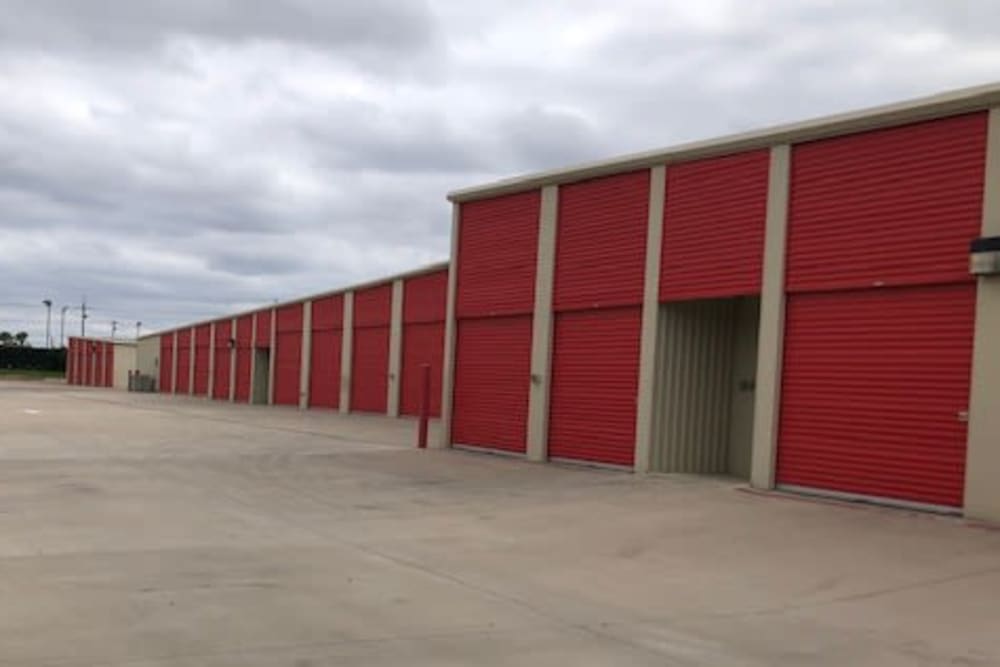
146	531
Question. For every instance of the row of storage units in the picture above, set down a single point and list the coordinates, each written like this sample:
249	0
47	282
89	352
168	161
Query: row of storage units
98	362
794	307
361	349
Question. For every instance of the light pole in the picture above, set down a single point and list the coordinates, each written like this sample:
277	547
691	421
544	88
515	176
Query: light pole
138	327
114	328
48	322
62	326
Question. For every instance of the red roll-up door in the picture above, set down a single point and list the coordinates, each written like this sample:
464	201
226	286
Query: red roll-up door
244	352
263	328
713	227
183	361
220	381
873	386
97	377
370	363
166	363
202	350
492	375
109	364
288	355
595	379
423	343
327	347
70	361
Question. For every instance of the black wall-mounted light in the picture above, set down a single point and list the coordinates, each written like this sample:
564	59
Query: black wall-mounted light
984	256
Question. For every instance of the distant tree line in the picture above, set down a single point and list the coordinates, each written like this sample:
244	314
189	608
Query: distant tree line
17	354
19	339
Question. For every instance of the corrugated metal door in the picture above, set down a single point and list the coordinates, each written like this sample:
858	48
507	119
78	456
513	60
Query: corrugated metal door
370	349
713	227
109	365
263	328
288	355
492	372
424	305
97	371
202	349
220	381
881	311
595	376
70	361
497	251
183	360
244	353
873	387
166	362
327	341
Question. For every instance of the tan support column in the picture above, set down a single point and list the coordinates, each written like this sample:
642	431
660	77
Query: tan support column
395	349
645	409
211	361
271	354
253	357
305	356
770	345
982	467
541	327
173	365
232	360
346	353
192	348
448	363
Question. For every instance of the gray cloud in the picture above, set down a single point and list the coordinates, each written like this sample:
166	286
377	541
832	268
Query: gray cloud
176	160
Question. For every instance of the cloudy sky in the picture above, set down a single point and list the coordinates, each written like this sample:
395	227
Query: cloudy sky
177	159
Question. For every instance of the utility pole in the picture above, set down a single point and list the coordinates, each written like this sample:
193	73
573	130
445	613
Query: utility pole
83	317
114	328
62	326
138	326
48	322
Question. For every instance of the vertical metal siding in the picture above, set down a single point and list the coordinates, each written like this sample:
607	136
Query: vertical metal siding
220	383
109	365
713	227
492	375
288	355
202	346
425	298
166	362
872	388
264	328
183	360
244	339
888	207
601	242
370	369
327	338
595	376
423	343
497	250
696	342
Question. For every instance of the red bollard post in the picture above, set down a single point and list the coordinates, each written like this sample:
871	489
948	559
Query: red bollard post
425	405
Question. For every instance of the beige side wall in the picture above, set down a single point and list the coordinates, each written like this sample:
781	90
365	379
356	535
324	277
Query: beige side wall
395	350
448	370
147	357
982	471
124	362
541	332
770	344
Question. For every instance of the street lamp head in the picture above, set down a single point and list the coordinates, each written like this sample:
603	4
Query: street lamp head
47	302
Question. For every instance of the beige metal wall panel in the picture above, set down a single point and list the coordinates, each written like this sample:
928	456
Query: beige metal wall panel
448	363
395	349
541	334
742	384
696	344
124	360
147	356
982	469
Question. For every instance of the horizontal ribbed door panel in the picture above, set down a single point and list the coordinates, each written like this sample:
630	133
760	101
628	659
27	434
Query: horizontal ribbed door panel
425	298
91	363
220	381
872	387
202	349
713	227
288	355
327	336
423	343
595	376
244	352
888	207
373	306
166	362
370	369
601	242
497	249
72	363
492	374
263	328
109	365
183	361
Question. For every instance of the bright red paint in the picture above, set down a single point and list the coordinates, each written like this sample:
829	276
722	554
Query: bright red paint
872	386
183	361
492	375
370	369
109	365
327	342
288	354
601	242
202	352
887	207
220	381
423	343
425	298
713	227
373	306
244	354
166	362
263	328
